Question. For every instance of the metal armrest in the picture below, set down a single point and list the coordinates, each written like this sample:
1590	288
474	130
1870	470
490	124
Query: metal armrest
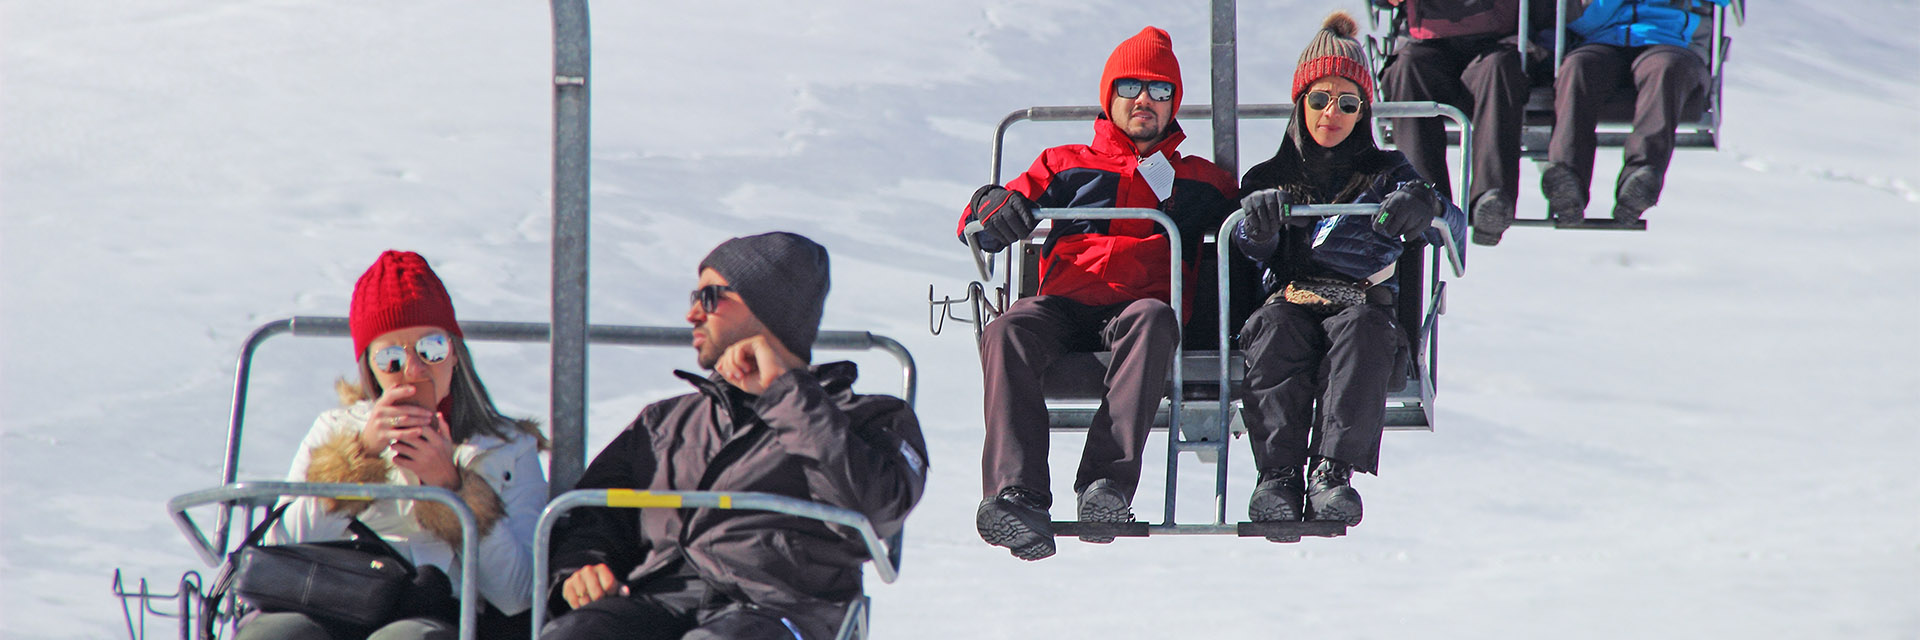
889	569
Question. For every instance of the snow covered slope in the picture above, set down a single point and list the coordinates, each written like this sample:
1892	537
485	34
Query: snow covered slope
1701	431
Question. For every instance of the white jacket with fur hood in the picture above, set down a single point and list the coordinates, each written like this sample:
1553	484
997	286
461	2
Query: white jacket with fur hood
507	501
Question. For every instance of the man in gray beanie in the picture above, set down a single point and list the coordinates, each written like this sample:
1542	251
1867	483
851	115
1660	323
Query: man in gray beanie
783	279
763	422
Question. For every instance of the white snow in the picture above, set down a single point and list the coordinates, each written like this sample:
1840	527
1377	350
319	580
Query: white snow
1706	430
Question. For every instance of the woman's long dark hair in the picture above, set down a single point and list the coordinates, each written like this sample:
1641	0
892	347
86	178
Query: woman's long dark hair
472	408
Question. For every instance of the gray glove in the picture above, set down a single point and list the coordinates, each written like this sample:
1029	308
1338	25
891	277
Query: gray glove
1408	210
1266	213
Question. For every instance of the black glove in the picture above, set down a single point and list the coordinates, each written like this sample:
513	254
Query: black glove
1408	211
1266	212
1005	214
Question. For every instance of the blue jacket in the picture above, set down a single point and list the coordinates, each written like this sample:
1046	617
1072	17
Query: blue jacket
1639	23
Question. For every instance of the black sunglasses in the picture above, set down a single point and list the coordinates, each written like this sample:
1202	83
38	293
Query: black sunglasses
708	297
1317	100
432	349
1158	90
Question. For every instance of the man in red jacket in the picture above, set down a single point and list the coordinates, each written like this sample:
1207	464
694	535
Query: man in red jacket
1104	285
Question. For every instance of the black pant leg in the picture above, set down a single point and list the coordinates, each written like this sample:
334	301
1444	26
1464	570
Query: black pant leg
1588	76
1425	70
1664	77
1361	344
1499	91
1016	349
1142	336
747	622
1284	343
649	616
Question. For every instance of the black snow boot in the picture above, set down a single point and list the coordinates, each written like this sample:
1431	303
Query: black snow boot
1330	496
1103	503
1017	519
1492	214
1277	499
1565	201
1639	189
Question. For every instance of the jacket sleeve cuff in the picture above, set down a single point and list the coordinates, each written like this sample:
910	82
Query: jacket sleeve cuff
1255	250
440	520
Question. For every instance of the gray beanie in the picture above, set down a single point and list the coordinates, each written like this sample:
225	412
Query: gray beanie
783	279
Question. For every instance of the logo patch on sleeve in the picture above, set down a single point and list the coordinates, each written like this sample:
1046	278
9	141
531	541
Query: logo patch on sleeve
913	459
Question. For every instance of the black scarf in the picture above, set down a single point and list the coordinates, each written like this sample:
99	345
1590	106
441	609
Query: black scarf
1321	175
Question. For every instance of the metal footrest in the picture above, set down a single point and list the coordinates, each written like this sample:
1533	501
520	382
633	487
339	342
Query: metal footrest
1308	528
1601	224
1070	528
1305	528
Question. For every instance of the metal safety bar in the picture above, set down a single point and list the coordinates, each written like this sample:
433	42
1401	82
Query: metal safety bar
1421	109
232	492
629	335
889	570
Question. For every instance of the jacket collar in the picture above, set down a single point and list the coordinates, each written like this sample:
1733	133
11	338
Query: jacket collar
1108	139
834	377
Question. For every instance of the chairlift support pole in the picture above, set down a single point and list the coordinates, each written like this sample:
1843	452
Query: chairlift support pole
1525	35
1226	91
571	53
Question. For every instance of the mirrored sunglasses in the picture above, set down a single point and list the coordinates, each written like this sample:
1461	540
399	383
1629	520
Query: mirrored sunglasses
432	349
1158	90
1349	103
708	297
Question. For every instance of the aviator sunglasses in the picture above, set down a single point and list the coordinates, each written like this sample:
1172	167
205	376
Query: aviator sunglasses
1158	90
432	349
708	297
1349	103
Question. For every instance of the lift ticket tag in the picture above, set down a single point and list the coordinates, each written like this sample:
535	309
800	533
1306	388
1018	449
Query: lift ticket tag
1158	173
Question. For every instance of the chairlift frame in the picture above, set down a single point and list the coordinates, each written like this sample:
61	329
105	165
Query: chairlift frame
1209	440
1537	115
568	333
231	494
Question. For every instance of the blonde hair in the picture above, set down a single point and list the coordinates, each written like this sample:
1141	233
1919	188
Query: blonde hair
473	410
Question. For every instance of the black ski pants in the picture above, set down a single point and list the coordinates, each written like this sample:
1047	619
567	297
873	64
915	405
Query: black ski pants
1663	77
1482	77
1295	357
1019	347
684	606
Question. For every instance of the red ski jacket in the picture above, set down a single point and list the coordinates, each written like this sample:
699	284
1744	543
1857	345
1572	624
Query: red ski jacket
1102	262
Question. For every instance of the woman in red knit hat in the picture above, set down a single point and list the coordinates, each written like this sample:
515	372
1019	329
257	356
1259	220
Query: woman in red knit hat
1326	332
417	416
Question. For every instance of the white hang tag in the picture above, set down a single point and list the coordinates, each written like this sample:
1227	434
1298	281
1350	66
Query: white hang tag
1323	229
1159	175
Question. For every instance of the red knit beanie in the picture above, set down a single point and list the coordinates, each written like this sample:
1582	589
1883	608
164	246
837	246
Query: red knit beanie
1334	52
397	292
1147	55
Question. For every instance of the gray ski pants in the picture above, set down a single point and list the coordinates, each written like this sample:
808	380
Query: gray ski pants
1664	77
1019	347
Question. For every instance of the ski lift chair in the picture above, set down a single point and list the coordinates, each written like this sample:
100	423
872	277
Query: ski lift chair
203	615
1700	117
1196	415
